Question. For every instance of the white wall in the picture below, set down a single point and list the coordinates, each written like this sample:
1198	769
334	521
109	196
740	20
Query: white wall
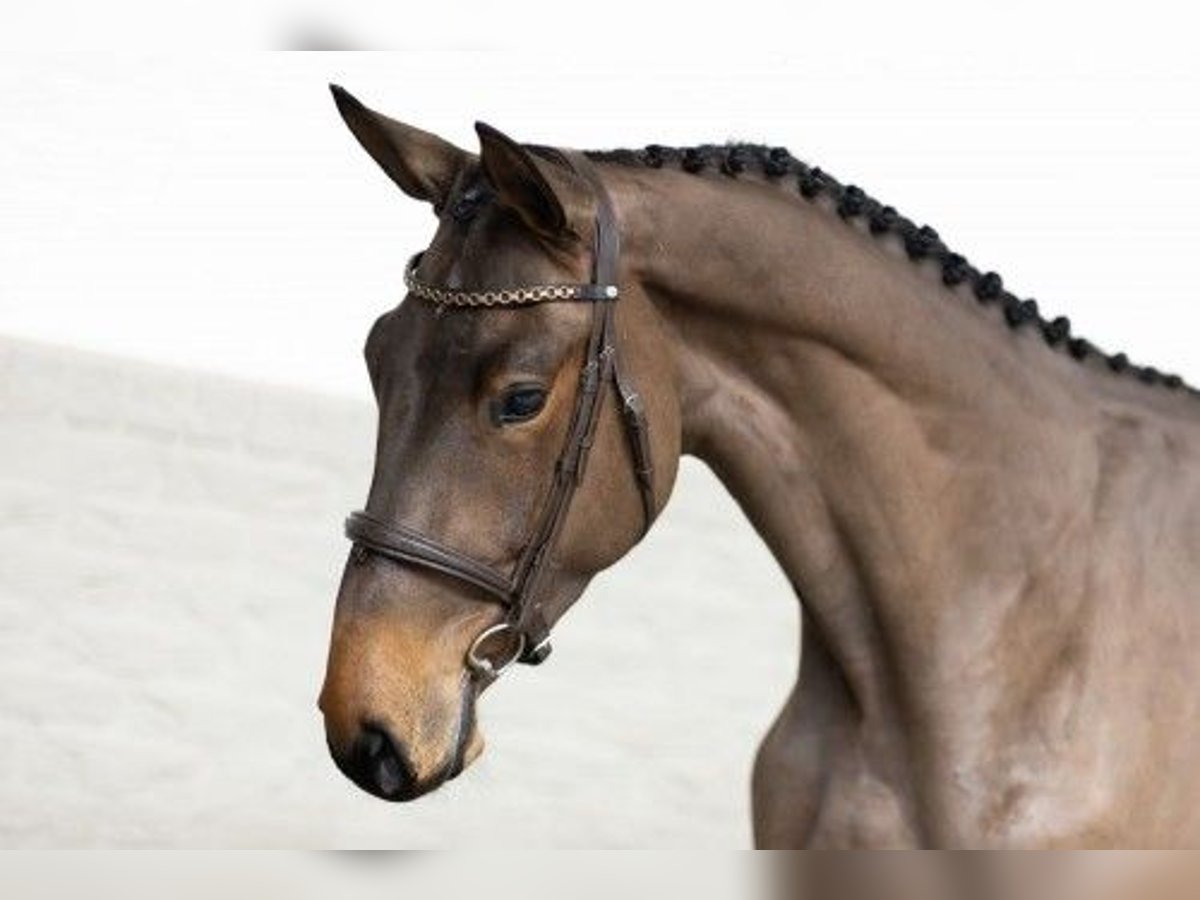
170	538
171	548
211	210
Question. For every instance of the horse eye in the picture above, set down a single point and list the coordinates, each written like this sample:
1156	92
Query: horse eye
519	404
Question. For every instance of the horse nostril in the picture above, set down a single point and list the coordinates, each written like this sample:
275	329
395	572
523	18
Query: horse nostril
374	743
380	768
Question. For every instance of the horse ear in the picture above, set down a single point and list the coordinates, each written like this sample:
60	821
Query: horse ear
550	198
422	164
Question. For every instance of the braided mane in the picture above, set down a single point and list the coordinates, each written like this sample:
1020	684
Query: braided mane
920	242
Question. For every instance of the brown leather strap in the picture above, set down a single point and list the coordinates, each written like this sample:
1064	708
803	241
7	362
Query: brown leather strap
404	545
633	410
568	474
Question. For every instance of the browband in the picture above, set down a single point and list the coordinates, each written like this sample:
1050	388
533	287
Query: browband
513	296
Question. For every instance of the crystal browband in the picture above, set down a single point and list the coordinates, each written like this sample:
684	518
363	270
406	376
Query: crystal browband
512	296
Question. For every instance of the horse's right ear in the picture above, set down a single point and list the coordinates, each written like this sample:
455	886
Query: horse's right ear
422	164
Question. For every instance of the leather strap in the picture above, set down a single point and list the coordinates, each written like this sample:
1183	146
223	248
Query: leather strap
633	410
404	545
518	591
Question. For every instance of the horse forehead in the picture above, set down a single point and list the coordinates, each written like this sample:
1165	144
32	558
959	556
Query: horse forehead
489	249
438	352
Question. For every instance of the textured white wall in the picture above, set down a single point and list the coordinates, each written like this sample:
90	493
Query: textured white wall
170	542
171	546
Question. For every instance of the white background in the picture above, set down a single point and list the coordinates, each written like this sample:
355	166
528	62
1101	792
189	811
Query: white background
211	210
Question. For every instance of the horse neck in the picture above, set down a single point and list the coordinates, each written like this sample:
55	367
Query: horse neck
868	419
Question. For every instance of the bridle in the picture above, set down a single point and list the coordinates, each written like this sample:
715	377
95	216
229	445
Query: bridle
517	590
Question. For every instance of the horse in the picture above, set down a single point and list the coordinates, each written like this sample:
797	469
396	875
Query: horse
991	525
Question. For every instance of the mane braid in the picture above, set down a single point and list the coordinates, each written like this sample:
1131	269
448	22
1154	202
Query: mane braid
920	242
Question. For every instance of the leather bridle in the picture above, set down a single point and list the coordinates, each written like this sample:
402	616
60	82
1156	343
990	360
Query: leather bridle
517	590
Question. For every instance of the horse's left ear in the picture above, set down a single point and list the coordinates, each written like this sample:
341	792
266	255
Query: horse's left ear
422	164
549	197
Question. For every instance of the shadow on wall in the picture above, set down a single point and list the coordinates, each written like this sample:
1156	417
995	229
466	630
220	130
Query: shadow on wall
310	35
172	546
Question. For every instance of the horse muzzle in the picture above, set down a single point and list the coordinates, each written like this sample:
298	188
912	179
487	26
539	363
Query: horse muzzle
381	764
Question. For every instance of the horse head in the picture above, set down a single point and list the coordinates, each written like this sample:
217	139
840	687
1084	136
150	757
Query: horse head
513	459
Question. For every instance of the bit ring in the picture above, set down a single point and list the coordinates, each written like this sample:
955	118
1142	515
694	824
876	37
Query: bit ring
484	667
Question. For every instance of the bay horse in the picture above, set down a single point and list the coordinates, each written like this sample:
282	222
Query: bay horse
991	526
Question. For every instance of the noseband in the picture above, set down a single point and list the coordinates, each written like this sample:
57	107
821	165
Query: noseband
517	590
